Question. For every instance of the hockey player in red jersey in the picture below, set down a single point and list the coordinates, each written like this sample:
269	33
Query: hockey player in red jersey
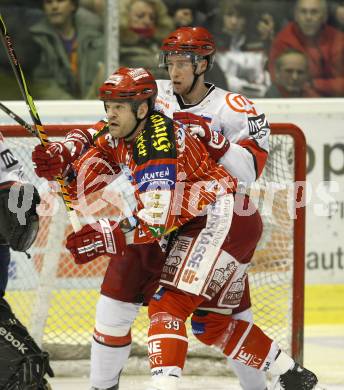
116	306
175	184
119	302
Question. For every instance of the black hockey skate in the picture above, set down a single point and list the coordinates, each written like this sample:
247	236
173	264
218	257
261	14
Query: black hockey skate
298	378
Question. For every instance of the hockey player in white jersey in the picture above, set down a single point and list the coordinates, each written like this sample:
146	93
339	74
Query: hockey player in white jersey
188	53
22	363
225	116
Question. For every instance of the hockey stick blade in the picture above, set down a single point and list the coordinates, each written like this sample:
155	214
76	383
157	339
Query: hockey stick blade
18	119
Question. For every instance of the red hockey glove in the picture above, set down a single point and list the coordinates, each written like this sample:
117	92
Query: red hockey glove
52	160
216	144
97	239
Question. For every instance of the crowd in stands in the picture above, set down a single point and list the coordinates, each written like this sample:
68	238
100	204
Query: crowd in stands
266	48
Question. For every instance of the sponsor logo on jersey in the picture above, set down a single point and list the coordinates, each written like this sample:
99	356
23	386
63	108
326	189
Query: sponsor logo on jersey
155	177
156	231
156	141
176	258
141	144
234	293
160	136
258	126
205	250
8	159
220	276
239	103
211	235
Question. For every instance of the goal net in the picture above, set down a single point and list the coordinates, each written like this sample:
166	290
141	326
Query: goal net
56	299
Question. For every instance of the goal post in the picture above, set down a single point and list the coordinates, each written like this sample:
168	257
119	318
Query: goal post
56	298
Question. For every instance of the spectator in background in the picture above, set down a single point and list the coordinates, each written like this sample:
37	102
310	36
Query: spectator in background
143	25
336	18
322	44
291	77
244	69
185	13
233	31
18	19
72	52
263	32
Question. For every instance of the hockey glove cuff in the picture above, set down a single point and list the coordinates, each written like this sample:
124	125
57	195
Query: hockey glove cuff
101	238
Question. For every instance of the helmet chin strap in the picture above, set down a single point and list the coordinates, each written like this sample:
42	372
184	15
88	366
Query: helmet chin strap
196	77
138	121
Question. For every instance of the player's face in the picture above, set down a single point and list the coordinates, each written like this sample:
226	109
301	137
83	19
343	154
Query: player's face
121	118
181	72
59	12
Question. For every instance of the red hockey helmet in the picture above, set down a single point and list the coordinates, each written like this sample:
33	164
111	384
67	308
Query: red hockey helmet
197	42
129	84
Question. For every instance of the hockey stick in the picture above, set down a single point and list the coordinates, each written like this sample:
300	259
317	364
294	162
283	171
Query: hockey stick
18	119
125	224
17	70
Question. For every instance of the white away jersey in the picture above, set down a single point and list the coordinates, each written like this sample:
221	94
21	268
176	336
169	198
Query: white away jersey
10	169
236	117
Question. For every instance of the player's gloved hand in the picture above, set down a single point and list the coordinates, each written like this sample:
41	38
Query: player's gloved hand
100	238
52	160
216	144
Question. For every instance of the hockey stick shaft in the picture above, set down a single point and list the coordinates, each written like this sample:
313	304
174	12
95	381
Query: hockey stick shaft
18	119
17	70
124	224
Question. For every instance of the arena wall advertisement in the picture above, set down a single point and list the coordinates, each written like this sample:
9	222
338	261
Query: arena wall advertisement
322	122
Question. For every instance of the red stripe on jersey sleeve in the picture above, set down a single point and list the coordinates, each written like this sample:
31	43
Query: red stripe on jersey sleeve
259	155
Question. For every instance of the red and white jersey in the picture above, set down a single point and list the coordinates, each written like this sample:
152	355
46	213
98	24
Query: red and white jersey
173	175
10	169
236	117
